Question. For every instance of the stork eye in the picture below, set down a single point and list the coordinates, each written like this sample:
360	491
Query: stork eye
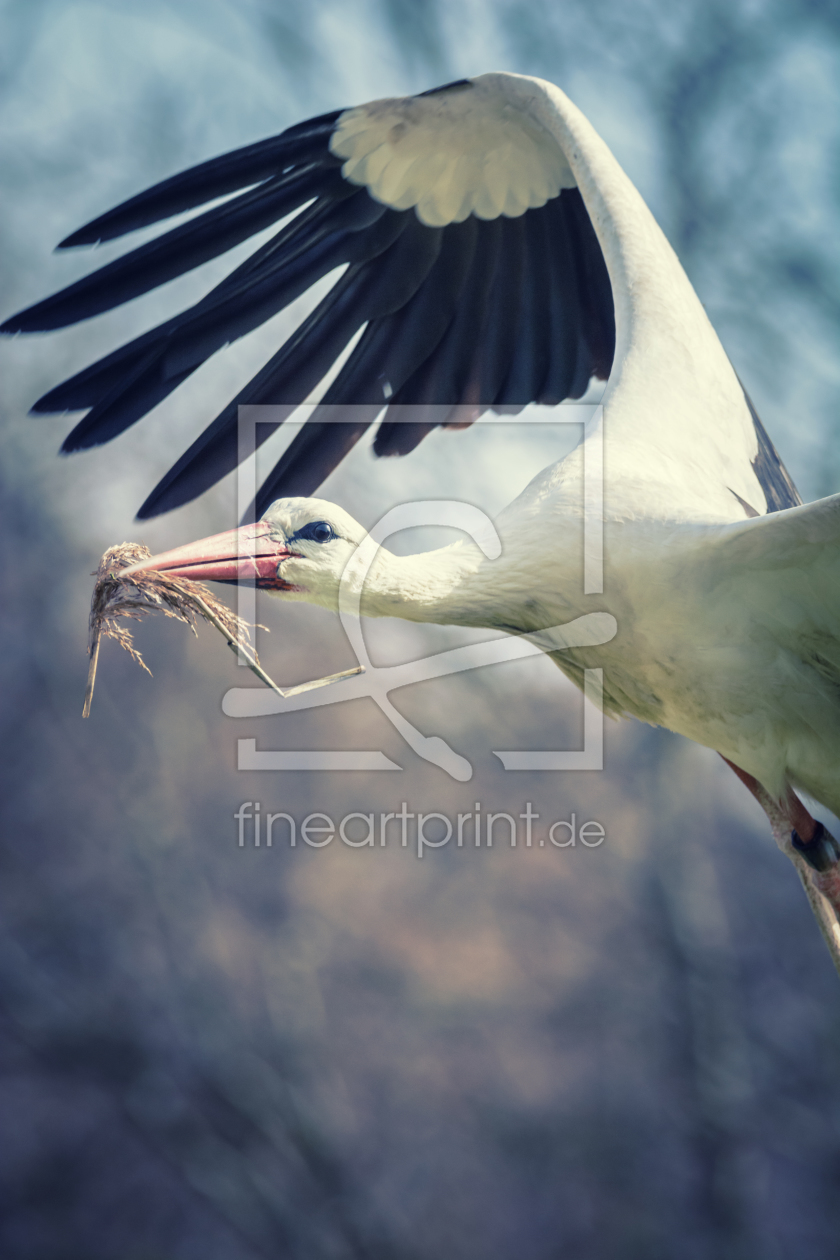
316	531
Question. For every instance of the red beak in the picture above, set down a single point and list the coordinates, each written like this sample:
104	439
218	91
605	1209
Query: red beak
247	555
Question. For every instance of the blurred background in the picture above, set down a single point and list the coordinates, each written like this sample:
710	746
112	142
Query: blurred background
235	1053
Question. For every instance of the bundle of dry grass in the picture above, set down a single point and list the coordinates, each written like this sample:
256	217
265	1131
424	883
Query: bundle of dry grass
116	598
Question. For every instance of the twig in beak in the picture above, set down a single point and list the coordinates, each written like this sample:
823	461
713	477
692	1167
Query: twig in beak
147	592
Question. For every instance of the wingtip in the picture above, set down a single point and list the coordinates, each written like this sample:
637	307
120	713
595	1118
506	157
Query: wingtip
164	498
37	318
156	506
51	404
83	236
13	325
71	446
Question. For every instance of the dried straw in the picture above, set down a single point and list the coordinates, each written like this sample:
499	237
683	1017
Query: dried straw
134	597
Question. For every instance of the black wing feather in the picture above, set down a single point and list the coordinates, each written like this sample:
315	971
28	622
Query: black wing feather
176	252
597	313
319	448
393	347
529	362
283	269
366	291
216	178
501	330
451	371
563	310
388	351
779	489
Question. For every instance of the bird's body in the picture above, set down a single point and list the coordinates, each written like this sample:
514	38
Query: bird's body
726	633
499	255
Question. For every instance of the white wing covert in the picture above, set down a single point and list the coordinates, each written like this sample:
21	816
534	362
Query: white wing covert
451	153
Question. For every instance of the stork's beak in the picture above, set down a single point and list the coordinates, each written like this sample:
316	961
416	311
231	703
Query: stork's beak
248	555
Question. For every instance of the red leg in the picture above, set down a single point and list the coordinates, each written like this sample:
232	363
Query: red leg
798	833
792	808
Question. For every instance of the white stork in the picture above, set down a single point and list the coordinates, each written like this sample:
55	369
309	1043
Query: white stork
498	255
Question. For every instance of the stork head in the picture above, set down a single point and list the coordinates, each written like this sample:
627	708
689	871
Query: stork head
298	550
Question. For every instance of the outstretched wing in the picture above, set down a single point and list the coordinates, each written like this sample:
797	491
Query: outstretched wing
470	260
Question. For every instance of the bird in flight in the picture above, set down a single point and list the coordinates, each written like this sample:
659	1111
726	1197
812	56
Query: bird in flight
496	255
